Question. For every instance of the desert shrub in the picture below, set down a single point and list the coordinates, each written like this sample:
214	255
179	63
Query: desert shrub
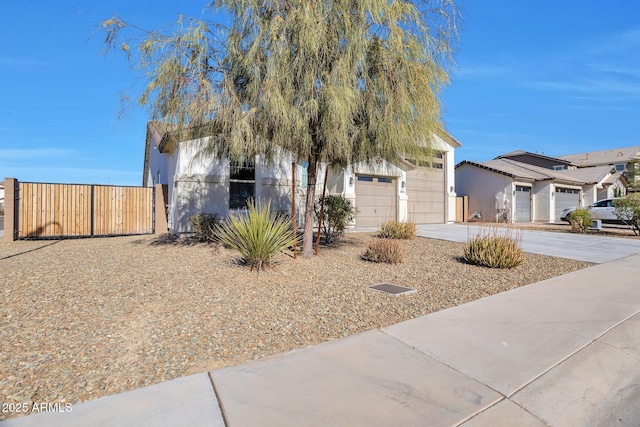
384	250
398	230
495	248
203	225
258	233
627	210
338	212
580	220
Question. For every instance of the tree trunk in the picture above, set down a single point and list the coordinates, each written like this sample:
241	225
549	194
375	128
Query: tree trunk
307	237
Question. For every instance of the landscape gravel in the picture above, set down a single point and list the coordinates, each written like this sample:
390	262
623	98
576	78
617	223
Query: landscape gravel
85	318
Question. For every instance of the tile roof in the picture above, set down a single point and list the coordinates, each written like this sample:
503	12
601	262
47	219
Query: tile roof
524	171
604	157
528	153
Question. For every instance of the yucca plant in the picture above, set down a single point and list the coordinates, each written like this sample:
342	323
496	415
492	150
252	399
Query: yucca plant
398	230
384	250
259	234
495	248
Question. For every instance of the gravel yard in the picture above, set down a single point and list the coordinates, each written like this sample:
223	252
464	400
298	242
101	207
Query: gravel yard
80	319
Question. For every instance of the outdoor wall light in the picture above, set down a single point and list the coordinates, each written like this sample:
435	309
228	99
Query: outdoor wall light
350	181
403	184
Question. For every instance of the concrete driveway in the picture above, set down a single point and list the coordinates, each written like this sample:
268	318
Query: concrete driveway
581	247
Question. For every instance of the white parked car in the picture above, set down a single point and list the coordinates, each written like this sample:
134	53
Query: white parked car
602	210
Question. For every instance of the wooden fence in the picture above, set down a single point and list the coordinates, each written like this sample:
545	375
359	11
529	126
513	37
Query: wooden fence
45	210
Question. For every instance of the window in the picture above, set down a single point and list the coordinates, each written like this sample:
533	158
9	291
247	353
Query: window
365	178
381	179
558	168
620	168
567	190
242	183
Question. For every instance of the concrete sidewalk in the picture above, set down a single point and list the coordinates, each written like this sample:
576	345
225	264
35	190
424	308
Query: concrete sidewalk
562	352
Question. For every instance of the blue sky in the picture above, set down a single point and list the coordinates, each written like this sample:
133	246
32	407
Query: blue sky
556	77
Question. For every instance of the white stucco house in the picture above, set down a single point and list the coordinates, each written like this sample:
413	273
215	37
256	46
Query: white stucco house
505	189
421	191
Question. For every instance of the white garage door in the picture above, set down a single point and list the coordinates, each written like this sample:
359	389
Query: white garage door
523	203
566	198
375	200
426	194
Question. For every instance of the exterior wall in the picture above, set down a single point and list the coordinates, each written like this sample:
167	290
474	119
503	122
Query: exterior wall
200	184
591	193
482	186
450	178
542	210
158	171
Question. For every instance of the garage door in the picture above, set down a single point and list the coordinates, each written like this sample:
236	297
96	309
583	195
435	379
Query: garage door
523	203
375	200
566	198
426	194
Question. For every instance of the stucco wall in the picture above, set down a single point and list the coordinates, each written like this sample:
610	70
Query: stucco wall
482	186
201	184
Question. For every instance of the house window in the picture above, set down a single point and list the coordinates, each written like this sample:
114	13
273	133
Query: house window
382	179
620	167
434	161
558	168
242	183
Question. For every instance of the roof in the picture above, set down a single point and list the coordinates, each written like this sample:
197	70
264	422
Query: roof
541	156
527	172
604	157
590	175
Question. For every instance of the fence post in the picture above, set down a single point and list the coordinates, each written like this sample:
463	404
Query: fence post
160	224
10	209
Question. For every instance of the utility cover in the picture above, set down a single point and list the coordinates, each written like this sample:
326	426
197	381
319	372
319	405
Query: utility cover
392	289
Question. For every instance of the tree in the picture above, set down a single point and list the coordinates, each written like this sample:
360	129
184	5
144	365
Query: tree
333	81
627	209
632	174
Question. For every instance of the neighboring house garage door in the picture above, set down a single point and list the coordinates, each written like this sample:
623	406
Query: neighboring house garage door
426	195
375	200
566	198
523	203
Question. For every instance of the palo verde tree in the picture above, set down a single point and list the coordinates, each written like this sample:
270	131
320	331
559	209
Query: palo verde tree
332	81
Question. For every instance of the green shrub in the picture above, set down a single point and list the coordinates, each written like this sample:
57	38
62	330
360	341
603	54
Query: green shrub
627	210
495	248
259	234
203	225
398	230
384	250
580	220
338	212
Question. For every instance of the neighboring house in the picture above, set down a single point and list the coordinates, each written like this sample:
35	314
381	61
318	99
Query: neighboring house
421	191
504	189
626	160
620	158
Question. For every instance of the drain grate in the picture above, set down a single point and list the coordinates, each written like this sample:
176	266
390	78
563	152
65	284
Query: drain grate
388	288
